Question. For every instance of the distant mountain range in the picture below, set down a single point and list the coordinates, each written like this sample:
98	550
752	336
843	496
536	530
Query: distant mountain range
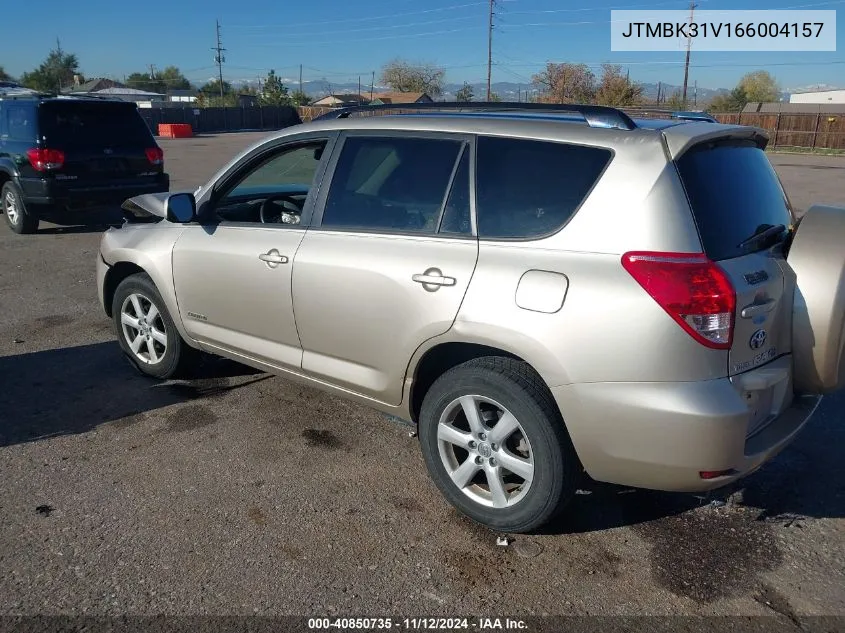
511	91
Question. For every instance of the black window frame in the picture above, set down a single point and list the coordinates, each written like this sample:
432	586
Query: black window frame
467	145
207	205
540	236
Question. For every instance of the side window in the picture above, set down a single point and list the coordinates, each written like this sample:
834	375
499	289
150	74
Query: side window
20	125
456	214
390	184
531	188
274	190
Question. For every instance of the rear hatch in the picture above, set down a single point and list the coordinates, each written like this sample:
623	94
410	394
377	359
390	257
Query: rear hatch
744	219
102	141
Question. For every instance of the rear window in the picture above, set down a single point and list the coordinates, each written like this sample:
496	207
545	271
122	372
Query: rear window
20	123
93	124
734	193
528	188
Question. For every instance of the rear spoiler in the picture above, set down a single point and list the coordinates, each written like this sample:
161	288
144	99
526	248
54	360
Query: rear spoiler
680	138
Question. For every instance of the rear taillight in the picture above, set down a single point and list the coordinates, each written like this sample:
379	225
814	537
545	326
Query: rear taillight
45	159
155	155
691	289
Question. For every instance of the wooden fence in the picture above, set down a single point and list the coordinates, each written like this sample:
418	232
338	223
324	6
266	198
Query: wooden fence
818	131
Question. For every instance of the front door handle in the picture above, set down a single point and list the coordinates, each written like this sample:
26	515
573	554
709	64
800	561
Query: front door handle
432	279
273	258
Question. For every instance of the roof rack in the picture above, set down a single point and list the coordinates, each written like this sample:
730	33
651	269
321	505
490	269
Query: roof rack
595	116
685	115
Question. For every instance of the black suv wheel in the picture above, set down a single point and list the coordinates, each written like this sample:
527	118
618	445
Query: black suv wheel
17	216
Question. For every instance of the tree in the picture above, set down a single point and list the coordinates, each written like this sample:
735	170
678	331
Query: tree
466	93
734	101
759	86
4	76
494	97
212	88
171	78
274	92
402	76
54	73
299	98
566	83
615	89
676	102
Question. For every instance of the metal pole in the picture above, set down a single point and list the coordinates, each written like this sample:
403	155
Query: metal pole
816	131
300	78
372	84
219	59
686	63
490	48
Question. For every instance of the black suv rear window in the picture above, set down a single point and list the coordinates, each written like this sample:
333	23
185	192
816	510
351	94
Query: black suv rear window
93	124
529	188
734	193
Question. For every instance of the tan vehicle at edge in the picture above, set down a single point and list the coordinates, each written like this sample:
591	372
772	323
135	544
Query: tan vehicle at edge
543	290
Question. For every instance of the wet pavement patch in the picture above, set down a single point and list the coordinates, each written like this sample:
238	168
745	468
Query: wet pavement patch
707	554
321	439
189	417
257	516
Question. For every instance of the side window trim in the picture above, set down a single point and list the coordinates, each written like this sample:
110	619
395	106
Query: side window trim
449	186
260	154
467	140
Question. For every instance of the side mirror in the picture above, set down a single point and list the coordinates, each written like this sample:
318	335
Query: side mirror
181	208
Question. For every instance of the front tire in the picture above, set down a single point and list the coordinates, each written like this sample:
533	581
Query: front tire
17	216
146	331
495	445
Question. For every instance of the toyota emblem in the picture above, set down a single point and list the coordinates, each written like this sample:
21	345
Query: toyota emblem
758	339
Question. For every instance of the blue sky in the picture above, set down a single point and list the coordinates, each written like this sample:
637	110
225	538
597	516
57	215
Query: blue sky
340	40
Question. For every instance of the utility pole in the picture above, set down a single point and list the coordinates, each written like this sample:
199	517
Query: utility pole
695	94
219	59
692	6
372	85
490	48
659	88
300	79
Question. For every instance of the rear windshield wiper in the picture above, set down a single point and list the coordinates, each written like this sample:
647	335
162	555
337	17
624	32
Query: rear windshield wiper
762	236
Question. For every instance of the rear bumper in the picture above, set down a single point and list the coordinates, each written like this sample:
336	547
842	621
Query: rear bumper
663	435
49	191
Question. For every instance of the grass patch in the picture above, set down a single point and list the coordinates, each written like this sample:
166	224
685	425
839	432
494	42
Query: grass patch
819	151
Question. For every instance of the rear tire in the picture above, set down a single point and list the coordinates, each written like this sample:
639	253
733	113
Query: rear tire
146	331
513	468
17	217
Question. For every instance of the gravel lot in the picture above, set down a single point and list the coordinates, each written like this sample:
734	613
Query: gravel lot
240	493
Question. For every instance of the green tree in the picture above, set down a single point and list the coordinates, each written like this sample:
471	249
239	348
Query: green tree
759	85
171	78
494	97
54	73
403	76
615	89
274	92
4	76
734	101
466	93
299	98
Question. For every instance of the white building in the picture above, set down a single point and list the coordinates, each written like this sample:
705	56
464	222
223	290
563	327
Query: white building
822	96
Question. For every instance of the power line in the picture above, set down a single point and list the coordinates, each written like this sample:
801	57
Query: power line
392	16
376	28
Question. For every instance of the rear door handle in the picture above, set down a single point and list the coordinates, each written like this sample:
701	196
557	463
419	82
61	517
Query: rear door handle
273	258
754	309
432	279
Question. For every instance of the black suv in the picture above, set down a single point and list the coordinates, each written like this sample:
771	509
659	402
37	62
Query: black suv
60	155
